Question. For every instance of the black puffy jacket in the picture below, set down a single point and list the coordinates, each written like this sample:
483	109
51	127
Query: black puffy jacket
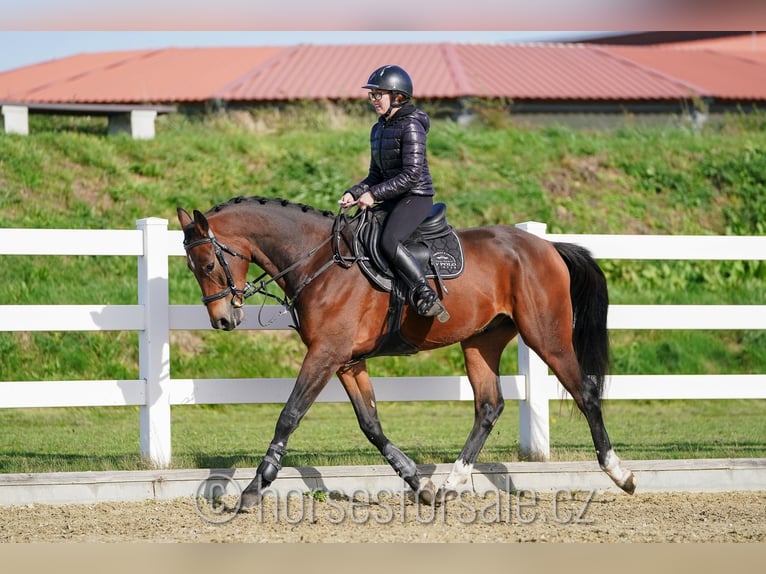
398	162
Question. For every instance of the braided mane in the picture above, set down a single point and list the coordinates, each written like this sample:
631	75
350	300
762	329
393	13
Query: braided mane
273	200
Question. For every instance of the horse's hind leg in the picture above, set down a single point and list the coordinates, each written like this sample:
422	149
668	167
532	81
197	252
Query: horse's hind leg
590	405
551	339
356	382
482	360
587	397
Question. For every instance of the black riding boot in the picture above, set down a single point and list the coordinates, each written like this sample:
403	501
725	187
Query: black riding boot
424	299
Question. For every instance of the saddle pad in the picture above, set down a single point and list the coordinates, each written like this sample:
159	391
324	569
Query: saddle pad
440	257
446	256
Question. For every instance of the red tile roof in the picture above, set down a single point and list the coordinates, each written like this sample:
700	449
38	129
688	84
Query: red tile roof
561	72
728	75
739	43
338	72
441	70
167	75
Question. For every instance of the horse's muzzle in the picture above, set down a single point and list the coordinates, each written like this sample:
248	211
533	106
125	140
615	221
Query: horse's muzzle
230	321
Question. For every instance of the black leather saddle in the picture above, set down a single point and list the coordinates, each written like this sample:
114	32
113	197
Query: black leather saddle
434	243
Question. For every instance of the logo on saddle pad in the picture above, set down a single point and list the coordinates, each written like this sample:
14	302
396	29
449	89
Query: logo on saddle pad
434	243
446	262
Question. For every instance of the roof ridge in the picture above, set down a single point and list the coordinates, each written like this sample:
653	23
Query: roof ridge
698	90
735	54
454	63
260	68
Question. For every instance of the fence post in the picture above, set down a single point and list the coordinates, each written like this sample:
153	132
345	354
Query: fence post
534	430
154	341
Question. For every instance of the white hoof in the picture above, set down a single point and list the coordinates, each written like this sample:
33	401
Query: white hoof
459	479
621	476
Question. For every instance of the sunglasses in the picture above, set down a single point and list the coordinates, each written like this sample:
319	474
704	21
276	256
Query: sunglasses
375	96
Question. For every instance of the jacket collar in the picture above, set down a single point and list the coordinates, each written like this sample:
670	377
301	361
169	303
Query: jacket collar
404	111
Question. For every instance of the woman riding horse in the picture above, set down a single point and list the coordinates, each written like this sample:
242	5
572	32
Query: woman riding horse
399	179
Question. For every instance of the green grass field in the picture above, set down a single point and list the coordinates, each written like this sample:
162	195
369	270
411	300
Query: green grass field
224	436
649	180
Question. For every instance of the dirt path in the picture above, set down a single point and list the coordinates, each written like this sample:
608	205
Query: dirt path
525	517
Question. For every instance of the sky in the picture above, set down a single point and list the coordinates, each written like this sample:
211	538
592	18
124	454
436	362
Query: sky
23	48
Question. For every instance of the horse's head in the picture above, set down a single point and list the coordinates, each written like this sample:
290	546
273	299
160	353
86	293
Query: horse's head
218	269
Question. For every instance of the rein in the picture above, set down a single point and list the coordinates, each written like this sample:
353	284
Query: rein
259	286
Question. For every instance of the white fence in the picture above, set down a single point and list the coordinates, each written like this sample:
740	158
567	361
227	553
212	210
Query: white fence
153	318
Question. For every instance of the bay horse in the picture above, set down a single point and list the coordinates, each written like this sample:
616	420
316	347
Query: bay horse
554	295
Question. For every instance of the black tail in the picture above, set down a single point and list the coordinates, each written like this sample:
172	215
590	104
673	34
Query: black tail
590	302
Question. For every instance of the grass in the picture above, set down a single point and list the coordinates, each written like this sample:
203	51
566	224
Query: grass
70	174
224	436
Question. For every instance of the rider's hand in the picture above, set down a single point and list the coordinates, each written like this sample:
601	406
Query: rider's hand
365	200
347	200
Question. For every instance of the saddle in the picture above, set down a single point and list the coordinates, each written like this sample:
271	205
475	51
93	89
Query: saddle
434	243
438	250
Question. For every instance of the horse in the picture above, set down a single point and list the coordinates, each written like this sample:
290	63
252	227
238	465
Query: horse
554	295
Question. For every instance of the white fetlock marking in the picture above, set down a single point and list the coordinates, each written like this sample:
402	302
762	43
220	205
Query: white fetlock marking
460	476
613	467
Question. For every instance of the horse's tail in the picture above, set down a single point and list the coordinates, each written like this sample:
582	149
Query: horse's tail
590	303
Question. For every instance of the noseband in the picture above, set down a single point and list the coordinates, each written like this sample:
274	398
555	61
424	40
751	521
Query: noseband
219	249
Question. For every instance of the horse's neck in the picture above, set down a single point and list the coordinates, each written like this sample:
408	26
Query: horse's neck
280	242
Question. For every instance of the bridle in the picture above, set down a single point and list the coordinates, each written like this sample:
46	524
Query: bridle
219	249
258	285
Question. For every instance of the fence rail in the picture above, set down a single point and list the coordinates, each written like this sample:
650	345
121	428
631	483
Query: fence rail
154	392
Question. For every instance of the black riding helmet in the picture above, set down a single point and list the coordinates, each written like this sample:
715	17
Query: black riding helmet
390	79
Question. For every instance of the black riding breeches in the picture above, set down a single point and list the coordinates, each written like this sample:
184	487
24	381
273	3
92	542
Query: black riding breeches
403	218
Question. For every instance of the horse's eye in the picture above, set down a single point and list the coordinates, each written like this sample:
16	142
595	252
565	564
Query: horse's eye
209	267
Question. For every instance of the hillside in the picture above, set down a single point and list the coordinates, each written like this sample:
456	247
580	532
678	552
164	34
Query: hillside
670	180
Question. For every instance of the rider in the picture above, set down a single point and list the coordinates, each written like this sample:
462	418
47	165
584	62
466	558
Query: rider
399	179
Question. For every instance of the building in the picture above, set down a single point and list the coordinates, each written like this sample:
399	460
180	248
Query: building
592	81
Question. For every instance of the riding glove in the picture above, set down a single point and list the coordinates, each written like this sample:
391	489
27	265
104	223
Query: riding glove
356	190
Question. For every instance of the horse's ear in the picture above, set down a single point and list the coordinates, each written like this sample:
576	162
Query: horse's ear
183	217
201	222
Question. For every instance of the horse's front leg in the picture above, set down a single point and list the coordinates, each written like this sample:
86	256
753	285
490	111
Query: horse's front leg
482	360
356	382
313	377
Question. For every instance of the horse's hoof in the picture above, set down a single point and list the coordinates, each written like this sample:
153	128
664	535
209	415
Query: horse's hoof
629	485
248	501
445	495
427	493
621	476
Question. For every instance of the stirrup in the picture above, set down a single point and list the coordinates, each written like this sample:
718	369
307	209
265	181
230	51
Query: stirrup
427	304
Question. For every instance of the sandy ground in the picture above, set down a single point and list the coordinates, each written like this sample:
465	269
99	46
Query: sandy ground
497	517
